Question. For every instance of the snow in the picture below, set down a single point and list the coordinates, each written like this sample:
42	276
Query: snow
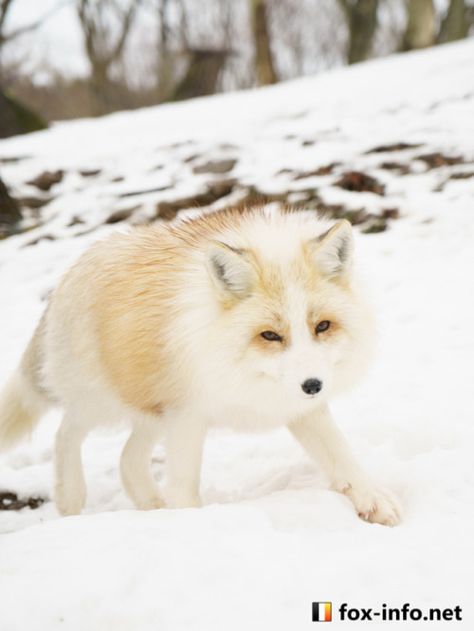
271	538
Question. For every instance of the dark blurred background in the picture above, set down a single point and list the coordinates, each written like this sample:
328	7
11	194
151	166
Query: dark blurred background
75	58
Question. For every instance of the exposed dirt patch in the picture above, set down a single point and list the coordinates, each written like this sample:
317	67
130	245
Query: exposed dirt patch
32	202
121	215
90	172
215	166
13	159
461	176
360	182
312	202
156	189
374	225
323	170
215	190
397	146
401	169
76	221
436	160
43	237
11	501
47	179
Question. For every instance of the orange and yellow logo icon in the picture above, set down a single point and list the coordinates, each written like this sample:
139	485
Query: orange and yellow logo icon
322	612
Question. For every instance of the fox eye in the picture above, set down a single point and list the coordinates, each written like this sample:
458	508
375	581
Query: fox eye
322	326
271	336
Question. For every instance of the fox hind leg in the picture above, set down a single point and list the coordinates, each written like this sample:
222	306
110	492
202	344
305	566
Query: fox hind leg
70	487
135	465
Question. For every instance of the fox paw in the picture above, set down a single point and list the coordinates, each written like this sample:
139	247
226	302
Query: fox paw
375	504
69	501
180	499
153	502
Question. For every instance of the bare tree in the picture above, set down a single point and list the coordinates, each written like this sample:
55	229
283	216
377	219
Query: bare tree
15	118
264	64
6	37
361	18
104	45
456	23
200	46
421	25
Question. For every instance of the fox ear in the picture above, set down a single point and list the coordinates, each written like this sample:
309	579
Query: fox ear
332	251
230	269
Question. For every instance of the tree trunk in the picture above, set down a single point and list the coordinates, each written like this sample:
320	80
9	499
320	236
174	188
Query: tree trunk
421	25
455	24
102	88
264	65
202	75
361	17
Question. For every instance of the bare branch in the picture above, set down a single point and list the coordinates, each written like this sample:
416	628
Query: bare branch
127	22
4	7
8	37
104	45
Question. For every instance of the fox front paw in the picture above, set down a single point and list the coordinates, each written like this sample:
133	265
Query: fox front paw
375	504
69	501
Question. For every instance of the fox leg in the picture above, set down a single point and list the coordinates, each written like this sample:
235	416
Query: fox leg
135	465
184	441
323	441
70	488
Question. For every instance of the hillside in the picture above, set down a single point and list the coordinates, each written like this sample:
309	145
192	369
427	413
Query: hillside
388	144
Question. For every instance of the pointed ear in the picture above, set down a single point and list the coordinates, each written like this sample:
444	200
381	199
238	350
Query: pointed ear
230	269
332	251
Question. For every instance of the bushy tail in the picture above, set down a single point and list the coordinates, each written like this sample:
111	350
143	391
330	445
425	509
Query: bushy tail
22	400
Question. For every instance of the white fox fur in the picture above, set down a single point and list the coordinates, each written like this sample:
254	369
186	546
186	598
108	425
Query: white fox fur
163	326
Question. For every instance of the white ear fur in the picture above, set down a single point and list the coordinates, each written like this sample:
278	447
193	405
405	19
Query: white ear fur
332	251
230	269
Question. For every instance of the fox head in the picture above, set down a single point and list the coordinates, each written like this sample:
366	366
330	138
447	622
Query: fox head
293	324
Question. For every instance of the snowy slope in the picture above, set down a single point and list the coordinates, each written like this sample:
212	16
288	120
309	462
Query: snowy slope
271	537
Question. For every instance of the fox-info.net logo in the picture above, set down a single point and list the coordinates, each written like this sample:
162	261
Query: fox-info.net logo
323	611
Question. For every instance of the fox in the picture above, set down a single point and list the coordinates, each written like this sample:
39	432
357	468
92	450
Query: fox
250	319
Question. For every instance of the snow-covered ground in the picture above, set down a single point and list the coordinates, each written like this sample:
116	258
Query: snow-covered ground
271	538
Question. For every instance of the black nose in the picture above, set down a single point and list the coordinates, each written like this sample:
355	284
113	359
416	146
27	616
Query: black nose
311	386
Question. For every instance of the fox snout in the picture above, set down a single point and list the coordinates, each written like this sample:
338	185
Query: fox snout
312	386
